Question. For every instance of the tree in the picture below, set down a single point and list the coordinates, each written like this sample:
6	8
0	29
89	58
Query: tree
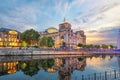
29	67
24	44
97	46
80	45
104	46
30	36
46	42
50	42
43	41
45	64
111	46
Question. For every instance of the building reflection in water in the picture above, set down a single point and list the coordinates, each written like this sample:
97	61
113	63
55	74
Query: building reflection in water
8	67
66	66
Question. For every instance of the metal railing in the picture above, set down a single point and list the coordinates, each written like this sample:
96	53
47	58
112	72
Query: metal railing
107	75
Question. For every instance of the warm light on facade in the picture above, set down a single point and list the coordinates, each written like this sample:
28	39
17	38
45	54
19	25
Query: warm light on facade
13	32
65	34
52	30
10	67
10	38
51	70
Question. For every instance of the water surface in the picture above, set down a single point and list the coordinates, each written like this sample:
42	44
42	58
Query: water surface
69	68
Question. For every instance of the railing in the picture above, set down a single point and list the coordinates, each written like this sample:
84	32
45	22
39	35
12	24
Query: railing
107	75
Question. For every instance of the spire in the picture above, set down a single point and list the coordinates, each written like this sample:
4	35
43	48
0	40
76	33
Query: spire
64	20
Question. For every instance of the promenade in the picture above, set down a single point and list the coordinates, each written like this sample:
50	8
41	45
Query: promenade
57	52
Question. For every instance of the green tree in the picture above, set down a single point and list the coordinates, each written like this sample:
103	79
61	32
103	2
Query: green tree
50	63
29	67
24	44
46	42
50	42
45	64
80	45
97	46
43	41
30	36
111	46
104	46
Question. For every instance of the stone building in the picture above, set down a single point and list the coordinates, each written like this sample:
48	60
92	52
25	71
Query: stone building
9	37
64	36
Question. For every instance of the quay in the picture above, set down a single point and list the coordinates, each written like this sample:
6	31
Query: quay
52	52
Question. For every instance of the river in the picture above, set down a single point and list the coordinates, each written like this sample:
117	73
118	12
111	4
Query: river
58	68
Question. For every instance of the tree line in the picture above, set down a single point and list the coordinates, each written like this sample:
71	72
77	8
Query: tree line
32	38
104	46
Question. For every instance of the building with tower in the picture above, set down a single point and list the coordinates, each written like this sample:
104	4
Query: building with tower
64	36
118	44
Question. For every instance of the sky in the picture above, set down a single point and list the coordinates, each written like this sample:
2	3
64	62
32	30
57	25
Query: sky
100	19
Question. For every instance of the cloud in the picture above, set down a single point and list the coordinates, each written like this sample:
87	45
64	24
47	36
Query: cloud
102	16
99	18
101	21
105	36
63	7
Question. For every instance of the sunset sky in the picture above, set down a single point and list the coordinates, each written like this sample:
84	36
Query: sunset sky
100	19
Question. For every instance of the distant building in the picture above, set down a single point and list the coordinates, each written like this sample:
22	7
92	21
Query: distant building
9	37
65	37
118	44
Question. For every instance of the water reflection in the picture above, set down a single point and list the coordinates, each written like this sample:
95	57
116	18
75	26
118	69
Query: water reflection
69	65
66	68
8	67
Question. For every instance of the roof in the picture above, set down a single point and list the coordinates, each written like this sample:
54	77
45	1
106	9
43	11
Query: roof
4	30
7	30
51	30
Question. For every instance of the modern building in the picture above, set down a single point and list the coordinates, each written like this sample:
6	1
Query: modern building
9	37
64	36
118	44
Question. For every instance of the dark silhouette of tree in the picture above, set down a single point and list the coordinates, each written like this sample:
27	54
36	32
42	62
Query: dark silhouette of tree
80	45
104	46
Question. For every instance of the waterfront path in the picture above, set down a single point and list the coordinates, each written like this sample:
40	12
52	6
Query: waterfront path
41	52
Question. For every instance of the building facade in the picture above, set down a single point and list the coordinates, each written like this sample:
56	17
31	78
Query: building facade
64	36
9	38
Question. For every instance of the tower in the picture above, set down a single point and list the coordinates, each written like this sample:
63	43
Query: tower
118	44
